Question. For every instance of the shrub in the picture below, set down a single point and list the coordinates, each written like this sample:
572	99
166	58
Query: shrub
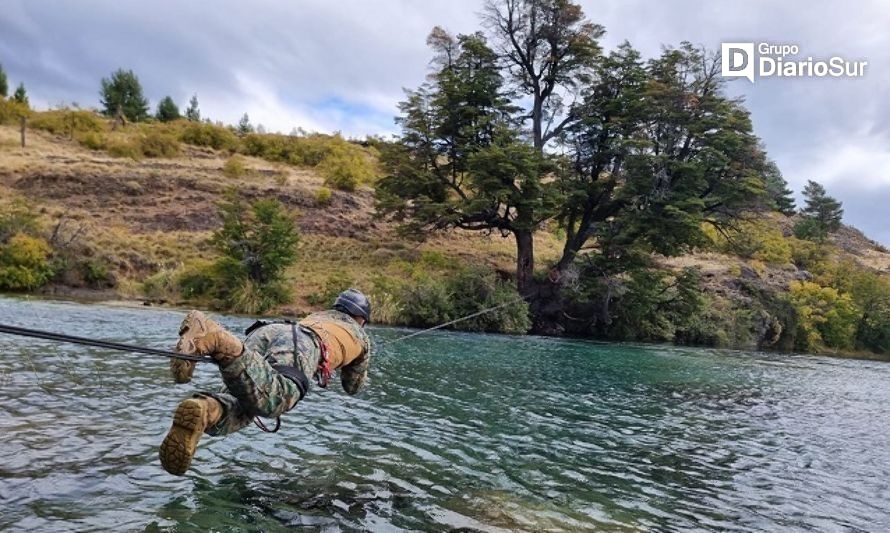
197	279
157	144
67	122
211	135
234	167
97	274
825	317
806	254
24	263
123	148
17	217
336	283
11	112
346	166
92	140
323	196
160	285
478	289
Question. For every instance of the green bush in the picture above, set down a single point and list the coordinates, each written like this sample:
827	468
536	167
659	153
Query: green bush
336	283
157	144
197	279
210	135
92	140
323	196
478	289
425	302
805	254
123	148
825	317
346	166
97	274
11	112
234	167
24	263
160	286
17	217
68	122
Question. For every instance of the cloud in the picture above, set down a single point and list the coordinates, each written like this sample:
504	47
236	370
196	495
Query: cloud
343	65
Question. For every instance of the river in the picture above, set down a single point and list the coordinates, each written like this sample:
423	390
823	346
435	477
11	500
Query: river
454	431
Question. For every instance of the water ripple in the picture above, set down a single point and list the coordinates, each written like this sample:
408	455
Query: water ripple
456	431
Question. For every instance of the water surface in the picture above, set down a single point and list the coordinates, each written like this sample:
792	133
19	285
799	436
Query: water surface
481	432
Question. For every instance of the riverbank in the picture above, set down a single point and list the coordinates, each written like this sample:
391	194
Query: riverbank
139	230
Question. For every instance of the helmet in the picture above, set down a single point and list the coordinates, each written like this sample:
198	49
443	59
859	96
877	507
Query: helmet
353	302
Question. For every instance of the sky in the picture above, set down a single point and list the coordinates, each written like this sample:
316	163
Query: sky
343	66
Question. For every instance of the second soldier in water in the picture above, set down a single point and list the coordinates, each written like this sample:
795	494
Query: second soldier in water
267	374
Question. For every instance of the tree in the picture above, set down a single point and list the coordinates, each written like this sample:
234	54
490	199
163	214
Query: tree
4	83
167	110
548	47
244	126
462	163
20	95
258	242
781	198
658	152
820	216
122	93
192	112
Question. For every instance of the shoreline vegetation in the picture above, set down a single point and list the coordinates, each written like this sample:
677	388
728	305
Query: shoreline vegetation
645	210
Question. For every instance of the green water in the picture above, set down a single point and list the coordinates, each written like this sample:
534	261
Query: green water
454	431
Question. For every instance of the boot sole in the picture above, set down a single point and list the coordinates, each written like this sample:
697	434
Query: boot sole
181	442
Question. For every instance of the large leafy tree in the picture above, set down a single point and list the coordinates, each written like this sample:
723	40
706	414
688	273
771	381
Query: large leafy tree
461	162
659	151
122	93
548	48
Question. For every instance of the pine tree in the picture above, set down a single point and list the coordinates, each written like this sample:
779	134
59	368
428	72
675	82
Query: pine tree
4	85
123	92
193	113
244	126
821	215
778	194
20	95
167	110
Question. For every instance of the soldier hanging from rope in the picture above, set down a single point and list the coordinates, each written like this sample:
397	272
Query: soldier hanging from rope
267	374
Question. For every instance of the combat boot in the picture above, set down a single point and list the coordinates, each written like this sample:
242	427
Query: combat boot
200	335
190	419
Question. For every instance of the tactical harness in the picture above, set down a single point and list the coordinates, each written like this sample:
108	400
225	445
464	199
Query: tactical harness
293	372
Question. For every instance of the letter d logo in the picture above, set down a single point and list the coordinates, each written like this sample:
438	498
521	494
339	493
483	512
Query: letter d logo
737	60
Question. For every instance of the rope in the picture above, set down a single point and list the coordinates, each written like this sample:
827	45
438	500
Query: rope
455	321
37	334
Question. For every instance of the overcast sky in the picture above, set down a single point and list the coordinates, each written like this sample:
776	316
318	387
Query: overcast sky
342	65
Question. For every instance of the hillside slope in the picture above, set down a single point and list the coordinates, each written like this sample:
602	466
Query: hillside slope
139	225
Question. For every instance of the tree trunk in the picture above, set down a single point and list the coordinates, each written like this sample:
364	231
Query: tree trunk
525	260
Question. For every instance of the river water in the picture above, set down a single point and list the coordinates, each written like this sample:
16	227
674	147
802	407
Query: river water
455	431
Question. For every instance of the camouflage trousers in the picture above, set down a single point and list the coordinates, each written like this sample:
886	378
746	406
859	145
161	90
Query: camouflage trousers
252	387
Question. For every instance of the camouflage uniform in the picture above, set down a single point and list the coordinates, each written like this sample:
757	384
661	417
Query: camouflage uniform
253	388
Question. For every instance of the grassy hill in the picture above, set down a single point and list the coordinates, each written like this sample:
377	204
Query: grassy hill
129	211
